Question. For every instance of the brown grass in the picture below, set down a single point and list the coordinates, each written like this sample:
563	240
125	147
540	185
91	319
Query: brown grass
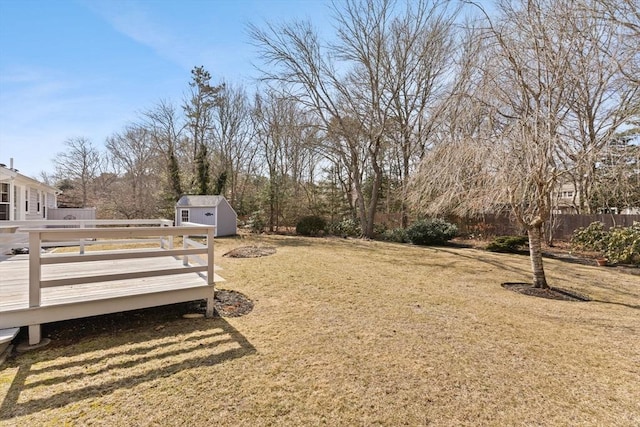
349	332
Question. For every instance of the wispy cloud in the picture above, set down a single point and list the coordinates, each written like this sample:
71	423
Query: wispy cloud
136	21
40	109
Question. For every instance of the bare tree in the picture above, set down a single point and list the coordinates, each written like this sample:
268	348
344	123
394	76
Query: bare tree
348	85
286	146
508	158
602	98
421	58
134	157
625	15
233	143
79	164
165	130
617	178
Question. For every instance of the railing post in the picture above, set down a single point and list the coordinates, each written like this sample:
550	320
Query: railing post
185	245
210	277
210	274
82	240
34	282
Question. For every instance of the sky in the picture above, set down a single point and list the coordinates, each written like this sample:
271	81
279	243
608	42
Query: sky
76	68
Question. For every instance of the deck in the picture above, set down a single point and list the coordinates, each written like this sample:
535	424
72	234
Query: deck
41	288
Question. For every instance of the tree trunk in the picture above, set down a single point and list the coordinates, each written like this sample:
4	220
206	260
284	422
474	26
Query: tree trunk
535	252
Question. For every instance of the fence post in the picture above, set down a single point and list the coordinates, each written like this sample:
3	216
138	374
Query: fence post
34	282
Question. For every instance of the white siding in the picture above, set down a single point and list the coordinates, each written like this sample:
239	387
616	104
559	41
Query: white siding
200	215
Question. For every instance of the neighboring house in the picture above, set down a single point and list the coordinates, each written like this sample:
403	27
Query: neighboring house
565	199
23	198
208	210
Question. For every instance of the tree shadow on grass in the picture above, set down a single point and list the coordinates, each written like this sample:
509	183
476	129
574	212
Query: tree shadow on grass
60	376
609	286
487	260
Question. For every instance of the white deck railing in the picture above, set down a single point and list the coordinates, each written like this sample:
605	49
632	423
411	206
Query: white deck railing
14	236
38	237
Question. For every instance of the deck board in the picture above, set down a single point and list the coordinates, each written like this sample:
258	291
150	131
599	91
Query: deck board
14	281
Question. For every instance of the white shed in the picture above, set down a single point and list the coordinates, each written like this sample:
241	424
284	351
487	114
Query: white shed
208	210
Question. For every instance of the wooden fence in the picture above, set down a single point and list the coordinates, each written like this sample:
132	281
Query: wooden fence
561	226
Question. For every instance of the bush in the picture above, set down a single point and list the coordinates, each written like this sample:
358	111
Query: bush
508	244
431	232
398	235
346	227
592	238
310	226
623	245
618	244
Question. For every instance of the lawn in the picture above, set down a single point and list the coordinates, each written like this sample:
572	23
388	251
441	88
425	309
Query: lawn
349	332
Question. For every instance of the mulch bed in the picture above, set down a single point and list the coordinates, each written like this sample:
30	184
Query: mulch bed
229	304
250	252
549	293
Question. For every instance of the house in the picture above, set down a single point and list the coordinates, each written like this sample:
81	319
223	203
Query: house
565	199
207	210
23	198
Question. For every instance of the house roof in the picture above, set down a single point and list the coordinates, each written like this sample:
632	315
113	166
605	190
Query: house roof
8	174
199	201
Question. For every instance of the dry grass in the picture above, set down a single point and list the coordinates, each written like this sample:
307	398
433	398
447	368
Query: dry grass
348	332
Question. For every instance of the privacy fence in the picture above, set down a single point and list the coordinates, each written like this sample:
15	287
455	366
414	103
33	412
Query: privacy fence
561	226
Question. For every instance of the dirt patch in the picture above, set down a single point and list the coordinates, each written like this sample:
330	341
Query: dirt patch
550	293
230	304
250	252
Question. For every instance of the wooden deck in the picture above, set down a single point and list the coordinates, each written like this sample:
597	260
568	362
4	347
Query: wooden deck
46	288
14	281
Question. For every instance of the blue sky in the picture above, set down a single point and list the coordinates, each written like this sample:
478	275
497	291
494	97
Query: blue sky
87	68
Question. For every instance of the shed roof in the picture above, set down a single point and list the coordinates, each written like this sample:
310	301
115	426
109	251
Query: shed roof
196	201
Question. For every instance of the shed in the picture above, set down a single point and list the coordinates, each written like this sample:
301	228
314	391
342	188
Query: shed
207	210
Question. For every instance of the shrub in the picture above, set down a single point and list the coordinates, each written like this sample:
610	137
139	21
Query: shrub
345	227
618	244
310	225
431	232
592	238
623	245
508	244
398	235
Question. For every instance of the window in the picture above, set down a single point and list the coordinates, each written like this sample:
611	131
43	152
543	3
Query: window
184	215
4	193
4	202
39	198
26	200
